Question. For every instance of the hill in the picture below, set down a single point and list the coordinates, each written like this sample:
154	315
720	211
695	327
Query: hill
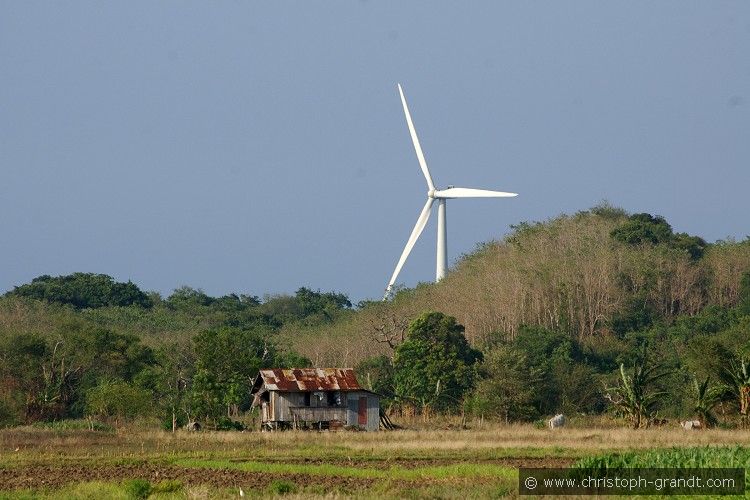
598	273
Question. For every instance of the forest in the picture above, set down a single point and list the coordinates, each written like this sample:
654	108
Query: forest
599	313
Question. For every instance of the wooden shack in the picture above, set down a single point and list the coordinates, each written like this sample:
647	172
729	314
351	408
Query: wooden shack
314	398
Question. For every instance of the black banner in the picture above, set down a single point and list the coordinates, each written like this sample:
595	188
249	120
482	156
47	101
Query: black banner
655	481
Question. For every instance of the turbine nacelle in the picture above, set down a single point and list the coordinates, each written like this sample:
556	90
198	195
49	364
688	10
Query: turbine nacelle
453	192
434	194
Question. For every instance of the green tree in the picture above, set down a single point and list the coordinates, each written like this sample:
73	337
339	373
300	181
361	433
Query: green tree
22	378
308	306
84	291
637	314
694	246
744	294
566	383
54	373
434	366
186	297
324	304
643	228
227	360
169	381
236	303
376	374
506	386
117	400
99	353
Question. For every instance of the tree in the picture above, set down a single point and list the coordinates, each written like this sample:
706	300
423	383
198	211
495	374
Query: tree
186	297
507	385
84	291
312	303
643	228
118	400
22	379
52	374
744	294
376	374
308	306
434	366
227	360
565	383
387	325
694	246
100	353
169	382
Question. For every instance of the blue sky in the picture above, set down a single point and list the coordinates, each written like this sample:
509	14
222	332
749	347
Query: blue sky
257	147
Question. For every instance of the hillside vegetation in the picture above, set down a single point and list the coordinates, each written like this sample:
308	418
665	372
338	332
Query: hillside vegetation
598	273
582	313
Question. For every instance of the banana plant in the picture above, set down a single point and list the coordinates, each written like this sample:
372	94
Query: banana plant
740	377
706	398
633	396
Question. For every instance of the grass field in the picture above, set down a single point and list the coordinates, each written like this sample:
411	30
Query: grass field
476	463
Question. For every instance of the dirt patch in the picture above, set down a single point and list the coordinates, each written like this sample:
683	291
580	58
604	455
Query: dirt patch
412	463
41	476
53	476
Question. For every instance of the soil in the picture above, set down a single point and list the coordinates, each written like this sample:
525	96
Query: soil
411	463
35	477
50	476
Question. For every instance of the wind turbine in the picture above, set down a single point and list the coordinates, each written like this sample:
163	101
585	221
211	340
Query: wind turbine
441	195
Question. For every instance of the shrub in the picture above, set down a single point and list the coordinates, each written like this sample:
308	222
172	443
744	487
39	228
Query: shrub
168	486
227	424
181	421
137	488
282	487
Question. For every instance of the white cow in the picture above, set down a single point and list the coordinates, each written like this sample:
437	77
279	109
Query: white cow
556	421
691	424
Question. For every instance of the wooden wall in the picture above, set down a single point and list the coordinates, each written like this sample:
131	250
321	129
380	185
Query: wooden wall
283	402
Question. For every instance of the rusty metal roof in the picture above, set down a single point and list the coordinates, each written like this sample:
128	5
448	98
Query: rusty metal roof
308	379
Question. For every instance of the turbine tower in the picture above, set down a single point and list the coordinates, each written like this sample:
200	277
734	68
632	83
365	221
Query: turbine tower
441	195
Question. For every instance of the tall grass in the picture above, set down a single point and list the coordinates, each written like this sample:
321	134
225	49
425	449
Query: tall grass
74	425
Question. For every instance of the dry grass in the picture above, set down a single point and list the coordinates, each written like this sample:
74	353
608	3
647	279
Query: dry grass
475	463
28	444
526	437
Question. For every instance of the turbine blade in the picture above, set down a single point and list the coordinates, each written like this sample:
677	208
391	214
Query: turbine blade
424	216
472	193
415	140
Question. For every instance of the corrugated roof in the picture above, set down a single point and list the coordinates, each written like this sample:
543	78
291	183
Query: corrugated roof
308	379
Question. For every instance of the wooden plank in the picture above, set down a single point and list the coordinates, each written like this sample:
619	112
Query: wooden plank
362	411
373	413
351	414
319	414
